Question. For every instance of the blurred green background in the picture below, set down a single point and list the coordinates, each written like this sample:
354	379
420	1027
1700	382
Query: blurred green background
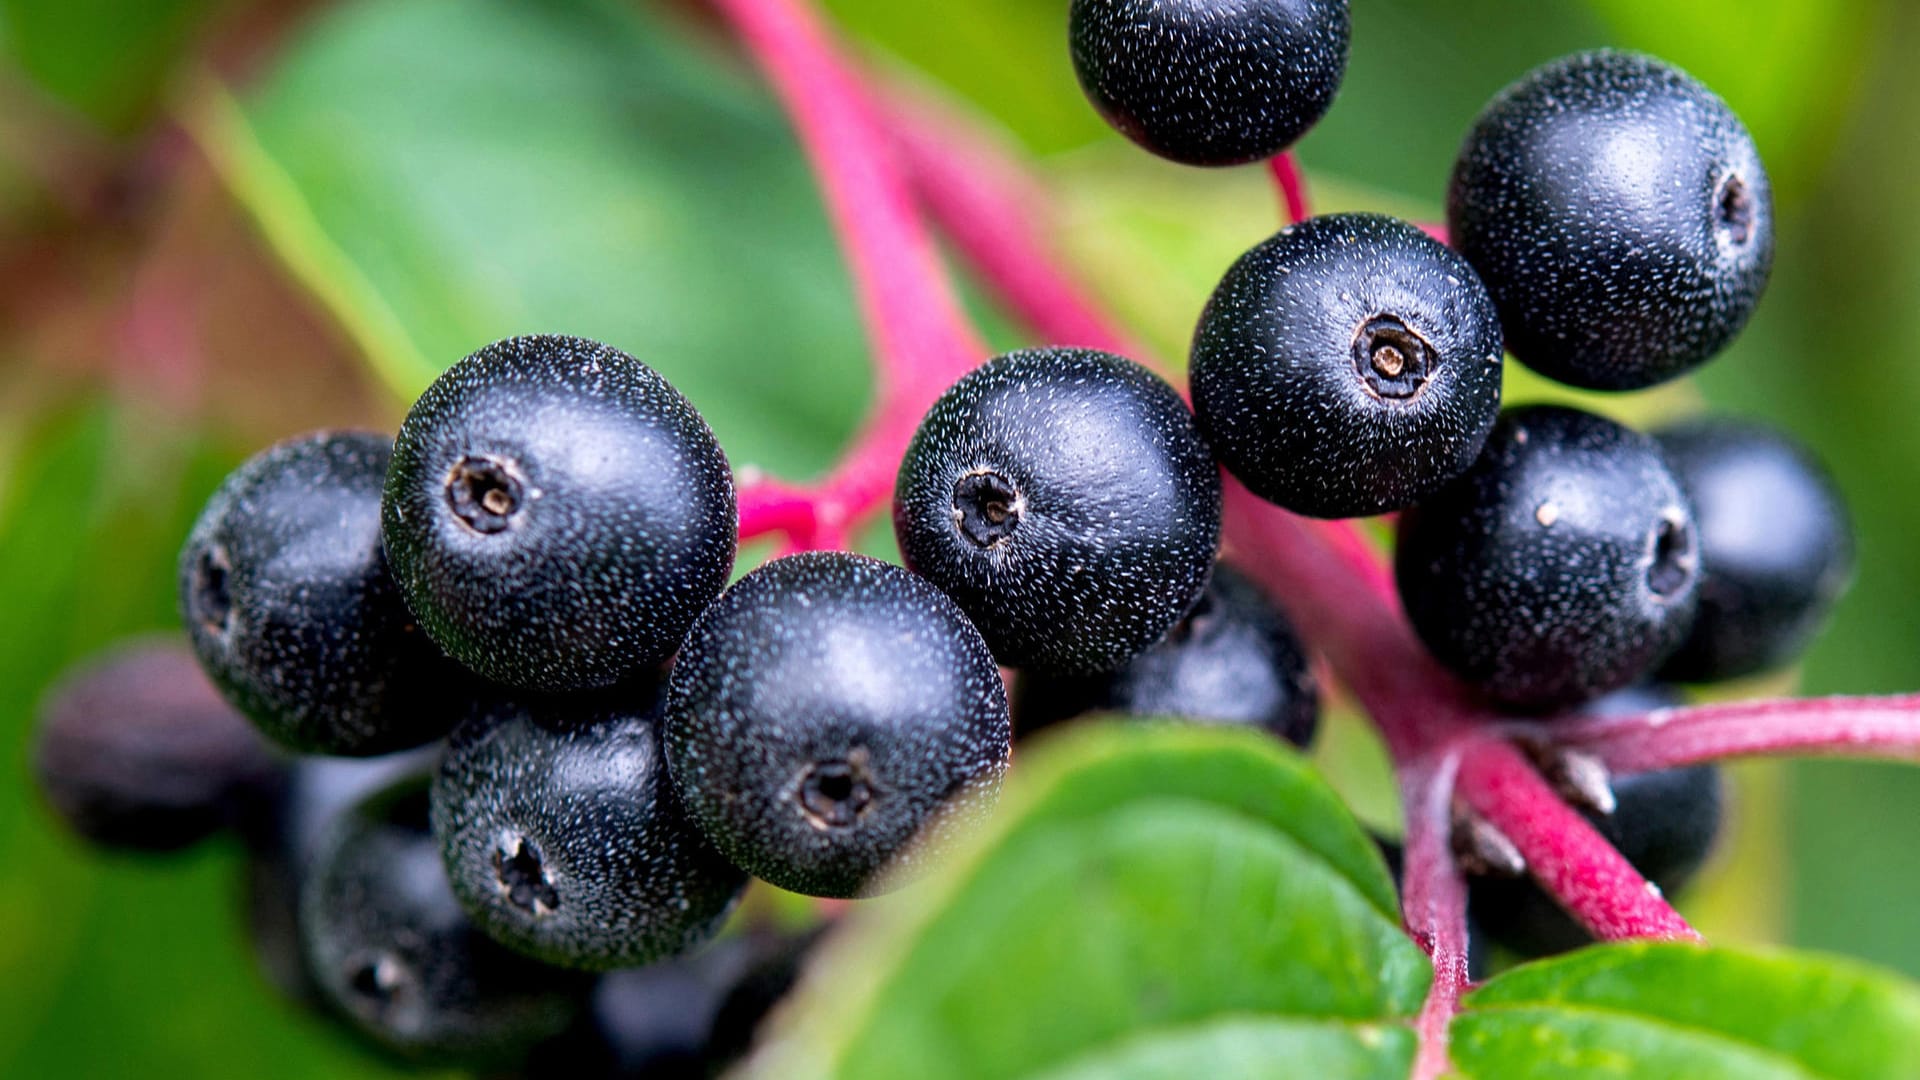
226	222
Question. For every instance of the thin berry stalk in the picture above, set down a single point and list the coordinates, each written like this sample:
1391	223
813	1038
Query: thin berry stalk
922	338
1865	727
1293	187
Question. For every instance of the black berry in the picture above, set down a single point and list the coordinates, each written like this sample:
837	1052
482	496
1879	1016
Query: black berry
394	954
826	711
1065	500
285	825
137	750
565	840
1234	659
289	606
557	514
1562	565
1776	547
1210	82
1619	214
1348	366
1665	823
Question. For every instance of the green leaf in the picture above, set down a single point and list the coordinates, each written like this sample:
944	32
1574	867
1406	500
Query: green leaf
105	58
1150	901
1687	1010
444	173
94	503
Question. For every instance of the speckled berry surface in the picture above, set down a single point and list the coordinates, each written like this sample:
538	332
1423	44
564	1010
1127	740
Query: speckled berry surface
557	514
1347	366
1210	82
392	952
290	608
1562	565
1619	213
564	838
1776	547
1234	659
1064	499
136	749
827	711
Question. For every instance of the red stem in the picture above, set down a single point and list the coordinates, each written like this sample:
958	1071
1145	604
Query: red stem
1878	727
997	217
922	338
1449	750
1293	187
1577	865
1434	900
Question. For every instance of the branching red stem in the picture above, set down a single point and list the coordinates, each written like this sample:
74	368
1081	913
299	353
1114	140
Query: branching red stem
994	214
1293	187
1876	727
1577	865
922	338
1451	753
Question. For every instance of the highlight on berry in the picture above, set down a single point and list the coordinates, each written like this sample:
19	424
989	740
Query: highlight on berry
771	538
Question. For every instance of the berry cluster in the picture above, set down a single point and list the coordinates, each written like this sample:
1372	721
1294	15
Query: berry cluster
530	583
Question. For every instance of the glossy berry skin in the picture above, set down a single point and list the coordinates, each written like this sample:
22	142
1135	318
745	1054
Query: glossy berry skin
1665	823
557	514
827	710
395	955
1776	547
1347	366
290	609
1234	659
1065	500
1562	565
1210	82
1619	214
137	750
564	838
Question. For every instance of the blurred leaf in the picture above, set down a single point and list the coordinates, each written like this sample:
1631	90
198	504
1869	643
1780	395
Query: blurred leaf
1685	1010
575	166
1007	56
97	500
105	58
1144	894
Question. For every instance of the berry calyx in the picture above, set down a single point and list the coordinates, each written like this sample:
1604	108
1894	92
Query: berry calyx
1565	563
827	711
1349	365
1620	216
1065	500
557	514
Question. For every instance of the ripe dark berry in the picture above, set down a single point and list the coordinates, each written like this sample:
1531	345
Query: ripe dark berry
1065	501
1211	82
826	711
1619	214
137	750
395	955
1665	823
288	603
286	824
1233	660
557	514
1776	547
1563	564
1348	366
564	838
